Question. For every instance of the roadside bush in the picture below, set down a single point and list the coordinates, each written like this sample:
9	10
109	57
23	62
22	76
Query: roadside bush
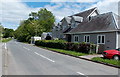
51	43
61	44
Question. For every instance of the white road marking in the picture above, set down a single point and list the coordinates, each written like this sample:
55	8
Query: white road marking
44	57
82	74
5	46
26	48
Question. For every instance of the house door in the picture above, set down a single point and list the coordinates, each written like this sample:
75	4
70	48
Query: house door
69	38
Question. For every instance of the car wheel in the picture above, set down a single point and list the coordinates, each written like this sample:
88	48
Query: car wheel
116	57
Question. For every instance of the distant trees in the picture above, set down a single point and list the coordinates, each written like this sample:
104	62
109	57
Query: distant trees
7	32
35	25
1	29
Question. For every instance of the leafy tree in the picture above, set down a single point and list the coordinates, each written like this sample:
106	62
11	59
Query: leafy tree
44	19
1	31
8	33
35	25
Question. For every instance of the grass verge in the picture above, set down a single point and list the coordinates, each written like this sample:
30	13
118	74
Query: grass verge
66	51
6	40
108	61
97	59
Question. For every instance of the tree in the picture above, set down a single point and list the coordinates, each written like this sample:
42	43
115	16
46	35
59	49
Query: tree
1	31
35	25
8	33
44	20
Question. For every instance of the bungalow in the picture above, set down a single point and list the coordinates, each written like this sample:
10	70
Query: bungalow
46	36
92	27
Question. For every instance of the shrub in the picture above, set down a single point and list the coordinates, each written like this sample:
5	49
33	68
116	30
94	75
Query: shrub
61	44
51	43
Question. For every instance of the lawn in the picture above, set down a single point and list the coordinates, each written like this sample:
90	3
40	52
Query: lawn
108	61
74	53
6	40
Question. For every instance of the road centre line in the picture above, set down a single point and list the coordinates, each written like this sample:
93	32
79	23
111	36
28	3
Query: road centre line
44	57
82	74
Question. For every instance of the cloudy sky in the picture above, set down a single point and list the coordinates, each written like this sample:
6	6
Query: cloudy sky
14	11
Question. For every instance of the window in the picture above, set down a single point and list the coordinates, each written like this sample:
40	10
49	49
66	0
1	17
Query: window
76	38
101	39
90	18
87	38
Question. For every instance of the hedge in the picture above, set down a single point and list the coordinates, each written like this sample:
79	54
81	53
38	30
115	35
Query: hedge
61	44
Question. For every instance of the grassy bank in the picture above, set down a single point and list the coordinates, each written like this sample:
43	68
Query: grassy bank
74	53
66	51
108	61
6	40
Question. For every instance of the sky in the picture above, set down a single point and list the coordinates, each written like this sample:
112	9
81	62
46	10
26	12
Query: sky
14	11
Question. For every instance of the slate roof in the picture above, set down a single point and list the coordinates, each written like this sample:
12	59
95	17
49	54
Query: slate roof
86	13
101	22
67	29
78	16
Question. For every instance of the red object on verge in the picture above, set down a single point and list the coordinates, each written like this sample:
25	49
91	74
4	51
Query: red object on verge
112	54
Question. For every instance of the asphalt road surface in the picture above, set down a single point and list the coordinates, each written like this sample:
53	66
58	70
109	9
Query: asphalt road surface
25	59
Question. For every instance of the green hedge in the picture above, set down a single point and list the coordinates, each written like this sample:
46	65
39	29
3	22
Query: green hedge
6	39
61	44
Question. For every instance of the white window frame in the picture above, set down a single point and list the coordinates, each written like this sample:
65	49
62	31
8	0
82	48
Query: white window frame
100	39
75	38
85	38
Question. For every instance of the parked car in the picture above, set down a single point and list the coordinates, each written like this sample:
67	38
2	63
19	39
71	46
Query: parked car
112	54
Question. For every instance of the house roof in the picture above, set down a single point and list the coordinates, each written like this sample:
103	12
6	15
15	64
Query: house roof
86	13
67	29
102	22
46	33
80	15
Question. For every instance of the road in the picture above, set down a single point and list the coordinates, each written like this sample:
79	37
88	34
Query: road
26	59
0	59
